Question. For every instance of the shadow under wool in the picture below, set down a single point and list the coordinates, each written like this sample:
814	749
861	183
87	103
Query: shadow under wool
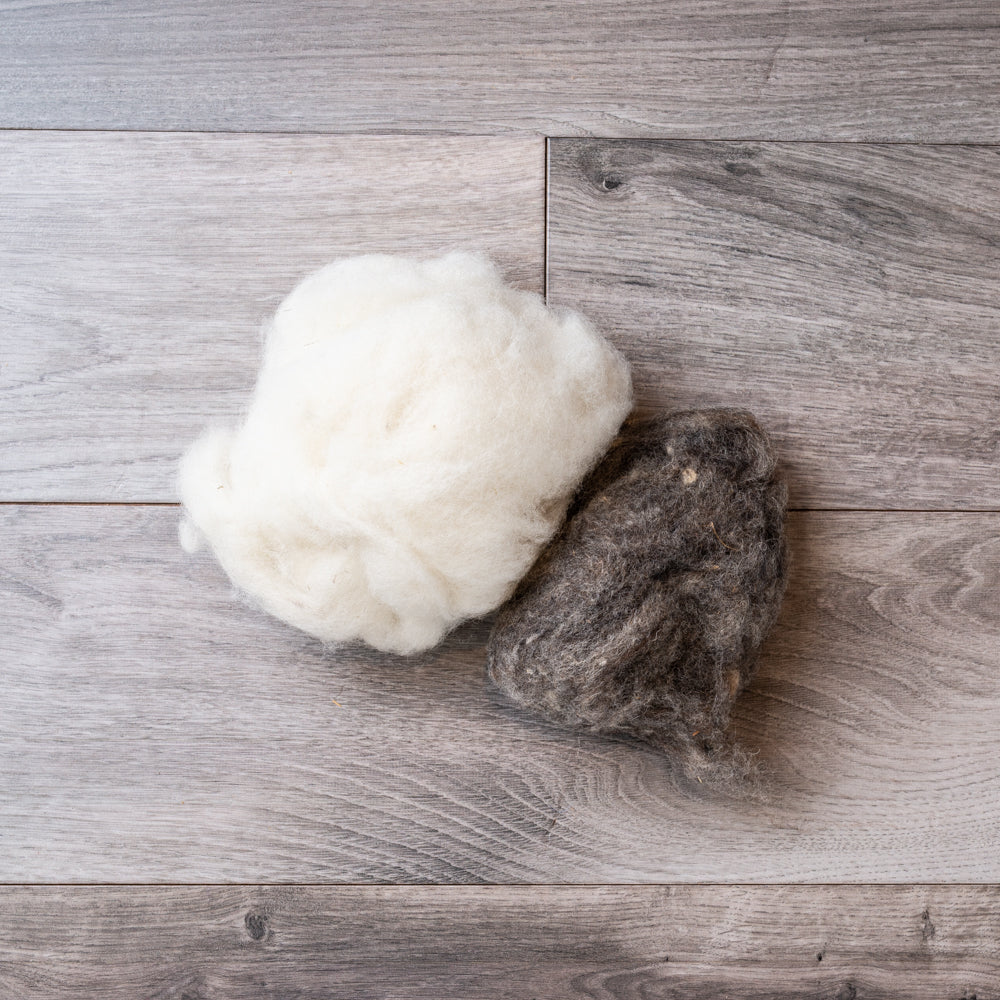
644	615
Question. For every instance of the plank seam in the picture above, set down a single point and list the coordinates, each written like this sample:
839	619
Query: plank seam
513	134
545	221
791	510
499	885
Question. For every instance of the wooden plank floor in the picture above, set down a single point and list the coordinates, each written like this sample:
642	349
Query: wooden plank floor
138	270
197	801
158	731
762	69
549	943
848	294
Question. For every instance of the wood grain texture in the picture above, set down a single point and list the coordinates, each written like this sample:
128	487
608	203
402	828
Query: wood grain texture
848	295
547	943
155	730
808	69
137	271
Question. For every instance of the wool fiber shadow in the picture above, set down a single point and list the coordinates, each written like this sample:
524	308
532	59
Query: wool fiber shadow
645	614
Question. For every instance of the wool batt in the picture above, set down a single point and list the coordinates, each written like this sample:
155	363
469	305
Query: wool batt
644	615
414	438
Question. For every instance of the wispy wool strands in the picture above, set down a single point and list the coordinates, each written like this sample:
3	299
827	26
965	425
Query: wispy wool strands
416	433
645	614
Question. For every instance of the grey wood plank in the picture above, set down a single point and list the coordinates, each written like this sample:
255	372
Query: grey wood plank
155	730
850	295
549	943
812	69
137	271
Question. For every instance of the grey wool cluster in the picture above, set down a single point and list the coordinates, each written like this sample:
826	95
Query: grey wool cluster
644	615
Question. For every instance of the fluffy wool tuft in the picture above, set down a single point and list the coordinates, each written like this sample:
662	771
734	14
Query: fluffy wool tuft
417	430
645	614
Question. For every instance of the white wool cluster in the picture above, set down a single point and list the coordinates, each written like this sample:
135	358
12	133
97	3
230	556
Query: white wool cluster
416	433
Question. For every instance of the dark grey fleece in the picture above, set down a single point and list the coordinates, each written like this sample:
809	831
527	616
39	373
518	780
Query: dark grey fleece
645	613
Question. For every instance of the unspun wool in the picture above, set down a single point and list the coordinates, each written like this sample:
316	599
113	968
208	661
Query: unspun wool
645	614
416	433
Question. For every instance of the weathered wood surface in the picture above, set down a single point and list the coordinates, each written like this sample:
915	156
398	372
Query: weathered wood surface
761	69
548	942
849	295
155	730
137	271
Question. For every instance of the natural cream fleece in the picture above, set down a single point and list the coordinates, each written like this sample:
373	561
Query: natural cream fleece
416	432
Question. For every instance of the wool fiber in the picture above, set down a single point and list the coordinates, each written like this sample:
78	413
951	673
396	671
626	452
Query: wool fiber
645	613
416	433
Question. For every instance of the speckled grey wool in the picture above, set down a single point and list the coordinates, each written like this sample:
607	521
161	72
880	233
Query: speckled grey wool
645	613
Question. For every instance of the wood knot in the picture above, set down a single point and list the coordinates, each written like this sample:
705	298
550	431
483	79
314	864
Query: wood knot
256	924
